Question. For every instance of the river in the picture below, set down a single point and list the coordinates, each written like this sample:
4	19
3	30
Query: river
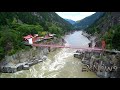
59	64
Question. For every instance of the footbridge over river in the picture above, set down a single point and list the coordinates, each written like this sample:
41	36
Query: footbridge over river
75	47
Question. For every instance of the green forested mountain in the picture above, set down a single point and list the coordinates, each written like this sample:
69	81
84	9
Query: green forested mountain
107	28
70	21
45	19
15	25
86	22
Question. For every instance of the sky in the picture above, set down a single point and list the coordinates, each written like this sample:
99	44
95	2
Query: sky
74	15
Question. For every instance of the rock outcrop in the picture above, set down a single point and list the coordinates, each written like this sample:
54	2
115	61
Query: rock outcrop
23	60
105	65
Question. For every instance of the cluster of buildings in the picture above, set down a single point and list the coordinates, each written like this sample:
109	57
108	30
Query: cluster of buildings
30	39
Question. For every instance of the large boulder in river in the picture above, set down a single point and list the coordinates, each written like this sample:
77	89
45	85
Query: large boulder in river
79	55
44	58
19	68
26	67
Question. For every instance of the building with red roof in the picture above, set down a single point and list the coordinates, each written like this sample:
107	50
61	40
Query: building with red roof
29	39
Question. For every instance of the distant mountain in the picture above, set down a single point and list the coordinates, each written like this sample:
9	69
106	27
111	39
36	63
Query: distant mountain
86	22
70	21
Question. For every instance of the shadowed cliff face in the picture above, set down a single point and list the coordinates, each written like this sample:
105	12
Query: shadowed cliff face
108	20
107	28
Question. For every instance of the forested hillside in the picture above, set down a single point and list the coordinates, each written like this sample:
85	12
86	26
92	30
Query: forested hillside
15	25
107	28
86	22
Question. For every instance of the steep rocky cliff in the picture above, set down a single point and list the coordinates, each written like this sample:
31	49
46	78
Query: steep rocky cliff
107	28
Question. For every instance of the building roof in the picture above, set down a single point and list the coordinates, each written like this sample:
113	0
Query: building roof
28	37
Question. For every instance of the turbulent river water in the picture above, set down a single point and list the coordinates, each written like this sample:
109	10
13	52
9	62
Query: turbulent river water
59	64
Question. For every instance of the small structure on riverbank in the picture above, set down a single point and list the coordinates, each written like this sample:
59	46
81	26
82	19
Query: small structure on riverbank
28	39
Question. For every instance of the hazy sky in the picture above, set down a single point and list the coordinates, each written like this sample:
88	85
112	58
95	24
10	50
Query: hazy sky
74	15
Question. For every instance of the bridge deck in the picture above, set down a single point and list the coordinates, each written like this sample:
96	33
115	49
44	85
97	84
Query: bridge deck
61	46
78	48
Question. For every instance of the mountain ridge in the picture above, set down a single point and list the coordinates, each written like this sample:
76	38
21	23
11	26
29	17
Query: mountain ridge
71	21
87	21
107	28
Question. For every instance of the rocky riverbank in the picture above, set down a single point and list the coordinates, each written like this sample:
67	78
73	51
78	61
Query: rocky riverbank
105	64
94	39
23	60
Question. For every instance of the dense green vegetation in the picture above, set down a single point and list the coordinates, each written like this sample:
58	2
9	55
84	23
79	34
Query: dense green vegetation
15	25
107	28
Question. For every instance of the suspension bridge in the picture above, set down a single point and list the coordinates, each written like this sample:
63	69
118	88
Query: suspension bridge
62	46
74	47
